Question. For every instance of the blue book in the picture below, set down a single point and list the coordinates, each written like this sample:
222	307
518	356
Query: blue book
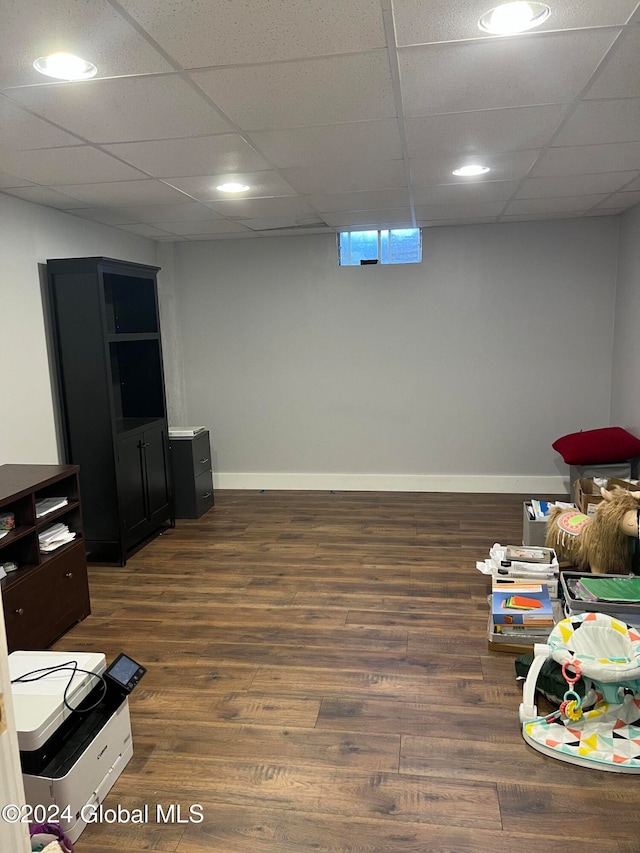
522	605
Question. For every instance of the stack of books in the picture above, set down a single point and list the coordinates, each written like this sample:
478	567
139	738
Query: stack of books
522	614
523	563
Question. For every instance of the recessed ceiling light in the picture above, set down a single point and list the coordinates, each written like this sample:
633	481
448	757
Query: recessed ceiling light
65	66
514	18
233	188
471	170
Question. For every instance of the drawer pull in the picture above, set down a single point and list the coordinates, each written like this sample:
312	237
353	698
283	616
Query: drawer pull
68	574
207	495
20	611
204	461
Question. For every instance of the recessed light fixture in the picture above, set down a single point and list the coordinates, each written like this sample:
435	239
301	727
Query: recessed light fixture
233	188
471	170
513	18
65	66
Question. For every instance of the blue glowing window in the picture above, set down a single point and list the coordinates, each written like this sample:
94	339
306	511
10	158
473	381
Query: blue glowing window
393	246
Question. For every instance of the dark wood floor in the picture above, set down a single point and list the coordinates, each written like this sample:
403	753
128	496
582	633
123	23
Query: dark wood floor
319	680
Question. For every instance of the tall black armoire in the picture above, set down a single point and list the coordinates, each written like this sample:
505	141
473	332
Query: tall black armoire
109	359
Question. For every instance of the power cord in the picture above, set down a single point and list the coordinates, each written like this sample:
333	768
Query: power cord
72	665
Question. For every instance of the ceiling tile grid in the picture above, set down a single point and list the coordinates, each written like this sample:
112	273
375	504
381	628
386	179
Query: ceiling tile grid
335	115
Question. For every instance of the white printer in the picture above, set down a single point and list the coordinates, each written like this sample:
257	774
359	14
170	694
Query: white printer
71	758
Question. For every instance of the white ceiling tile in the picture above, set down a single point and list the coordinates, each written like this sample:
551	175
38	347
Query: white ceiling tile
438	169
620	78
91	29
367	201
347	177
466	210
477	191
7	180
297	232
44	195
498	73
514	129
201	227
267	223
21	131
418	22
572	185
53	166
303	93
199	35
168	158
144	230
122	193
533	217
233	235
309	146
602	121
151	213
620	201
602	211
248	208
105	215
588	159
568	204
472	220
125	109
377	219
261	184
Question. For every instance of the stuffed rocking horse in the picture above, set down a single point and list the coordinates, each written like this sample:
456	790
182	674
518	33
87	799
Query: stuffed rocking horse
601	542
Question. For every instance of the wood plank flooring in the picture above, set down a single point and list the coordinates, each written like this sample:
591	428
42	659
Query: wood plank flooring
319	682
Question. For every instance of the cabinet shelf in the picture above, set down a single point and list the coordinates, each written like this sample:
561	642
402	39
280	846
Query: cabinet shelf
44	520
47	557
14	535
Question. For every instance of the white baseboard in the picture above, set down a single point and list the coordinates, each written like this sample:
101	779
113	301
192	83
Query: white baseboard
477	483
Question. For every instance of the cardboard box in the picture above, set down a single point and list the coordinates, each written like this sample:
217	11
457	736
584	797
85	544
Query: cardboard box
534	531
615	469
587	495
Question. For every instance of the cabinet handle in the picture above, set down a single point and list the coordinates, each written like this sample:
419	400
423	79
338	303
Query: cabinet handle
204	461
208	495
69	575
144	444
20	611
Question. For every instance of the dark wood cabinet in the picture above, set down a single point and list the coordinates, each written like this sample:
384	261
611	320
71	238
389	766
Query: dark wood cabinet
48	592
108	348
192	475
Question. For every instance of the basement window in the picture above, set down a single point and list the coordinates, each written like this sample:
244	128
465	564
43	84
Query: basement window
393	246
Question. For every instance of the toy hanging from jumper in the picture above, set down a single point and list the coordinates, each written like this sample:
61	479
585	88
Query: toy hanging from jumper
601	542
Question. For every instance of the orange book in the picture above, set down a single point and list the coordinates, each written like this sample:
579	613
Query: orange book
522	602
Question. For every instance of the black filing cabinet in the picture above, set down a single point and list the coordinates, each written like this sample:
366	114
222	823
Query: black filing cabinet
192	475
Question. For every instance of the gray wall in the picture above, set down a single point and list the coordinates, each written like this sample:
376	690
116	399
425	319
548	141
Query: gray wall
455	373
625	385
30	234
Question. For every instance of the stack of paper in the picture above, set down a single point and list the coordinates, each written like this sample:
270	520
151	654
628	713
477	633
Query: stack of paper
46	505
54	537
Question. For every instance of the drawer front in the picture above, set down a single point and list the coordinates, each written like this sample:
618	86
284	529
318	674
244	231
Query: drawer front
201	454
204	493
49	601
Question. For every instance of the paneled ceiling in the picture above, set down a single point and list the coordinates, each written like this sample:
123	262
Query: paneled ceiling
338	114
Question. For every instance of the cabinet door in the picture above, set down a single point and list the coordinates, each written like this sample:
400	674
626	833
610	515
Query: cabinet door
48	601
131	482
157	474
